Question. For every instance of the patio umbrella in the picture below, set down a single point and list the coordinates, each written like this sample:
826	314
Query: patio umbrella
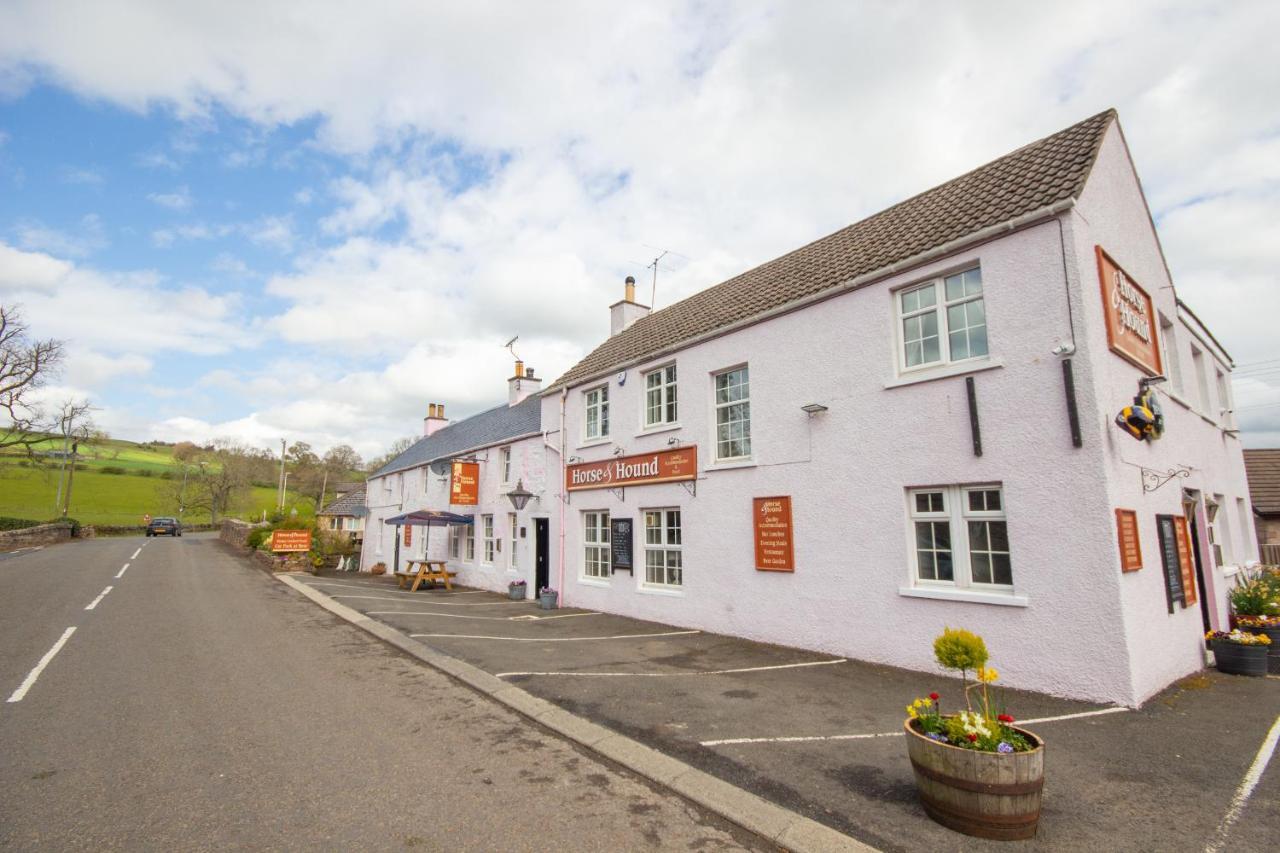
427	518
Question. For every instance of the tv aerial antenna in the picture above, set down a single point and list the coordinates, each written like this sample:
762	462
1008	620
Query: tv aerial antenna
510	346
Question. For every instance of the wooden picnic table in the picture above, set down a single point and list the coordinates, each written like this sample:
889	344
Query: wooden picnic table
428	571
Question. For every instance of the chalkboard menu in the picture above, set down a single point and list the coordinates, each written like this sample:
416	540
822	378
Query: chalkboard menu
1169	560
620	552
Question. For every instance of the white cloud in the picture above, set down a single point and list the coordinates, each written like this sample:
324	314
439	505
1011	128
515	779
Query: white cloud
158	160
274	232
79	175
178	199
89	238
89	369
21	270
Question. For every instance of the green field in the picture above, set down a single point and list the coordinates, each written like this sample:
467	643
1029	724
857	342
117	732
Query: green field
121	482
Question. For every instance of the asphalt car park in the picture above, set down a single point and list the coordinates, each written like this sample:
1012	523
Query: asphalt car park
821	734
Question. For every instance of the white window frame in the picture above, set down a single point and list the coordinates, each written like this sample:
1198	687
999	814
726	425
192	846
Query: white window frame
470	542
1169	355
665	546
514	524
504	457
455	541
939	308
957	514
669	396
489	540
1226	411
726	406
595	545
600	406
1200	367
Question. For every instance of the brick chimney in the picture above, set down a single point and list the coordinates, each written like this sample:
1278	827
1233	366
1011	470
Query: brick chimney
435	419
522	384
626	312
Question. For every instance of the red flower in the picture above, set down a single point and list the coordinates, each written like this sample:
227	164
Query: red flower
933	696
1005	718
972	738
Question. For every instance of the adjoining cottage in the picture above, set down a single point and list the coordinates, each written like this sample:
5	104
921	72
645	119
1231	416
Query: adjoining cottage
1263	466
908	424
345	514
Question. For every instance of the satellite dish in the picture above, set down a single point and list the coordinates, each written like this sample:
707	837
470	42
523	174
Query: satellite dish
441	467
622	377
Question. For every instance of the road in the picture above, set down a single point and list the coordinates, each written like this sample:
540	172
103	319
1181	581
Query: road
202	705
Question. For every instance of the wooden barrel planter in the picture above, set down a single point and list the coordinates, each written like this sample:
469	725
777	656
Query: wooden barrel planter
1238	659
983	794
1273	651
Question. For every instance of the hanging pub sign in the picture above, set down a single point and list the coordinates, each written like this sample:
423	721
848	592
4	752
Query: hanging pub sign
464	484
1131	328
664	466
290	540
775	549
621	554
408	535
1130	545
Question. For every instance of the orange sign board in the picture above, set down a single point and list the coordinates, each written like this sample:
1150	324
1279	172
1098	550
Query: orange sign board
1130	545
464	484
664	466
290	540
775	548
1131	326
408	535
1184	560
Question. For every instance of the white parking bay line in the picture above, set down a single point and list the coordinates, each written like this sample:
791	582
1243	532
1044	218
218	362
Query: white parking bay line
738	741
120	573
459	615
1247	784
558	639
101	595
675	674
408	599
136	553
39	668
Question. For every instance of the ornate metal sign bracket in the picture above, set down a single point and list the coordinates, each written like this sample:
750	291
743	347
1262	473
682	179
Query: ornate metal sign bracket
1152	479
620	493
690	486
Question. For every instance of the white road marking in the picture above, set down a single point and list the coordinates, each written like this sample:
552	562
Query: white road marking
101	595
813	738
136	553
401	598
557	639
367	587
39	668
1247	784
529	617
460	615
674	674
120	573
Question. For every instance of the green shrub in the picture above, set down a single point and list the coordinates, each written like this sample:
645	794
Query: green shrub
144	472
17	523
1254	597
257	536
958	649
112	469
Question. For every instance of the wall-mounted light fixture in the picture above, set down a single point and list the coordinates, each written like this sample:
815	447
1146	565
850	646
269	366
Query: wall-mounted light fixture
617	451
812	409
519	496
673	442
574	460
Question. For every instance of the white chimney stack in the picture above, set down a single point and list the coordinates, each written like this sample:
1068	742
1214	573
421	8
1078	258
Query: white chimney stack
522	384
626	312
435	419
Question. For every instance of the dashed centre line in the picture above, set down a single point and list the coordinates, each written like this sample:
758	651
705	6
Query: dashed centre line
101	595
39	667
124	569
136	553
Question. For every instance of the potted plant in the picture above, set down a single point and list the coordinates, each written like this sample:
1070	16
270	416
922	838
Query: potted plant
1239	652
378	568
547	598
516	590
1268	626
975	771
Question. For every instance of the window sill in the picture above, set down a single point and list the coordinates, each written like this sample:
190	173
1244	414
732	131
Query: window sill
946	372
593	442
730	464
646	589
656	428
584	580
1002	598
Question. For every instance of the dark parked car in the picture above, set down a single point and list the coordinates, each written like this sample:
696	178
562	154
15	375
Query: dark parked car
163	526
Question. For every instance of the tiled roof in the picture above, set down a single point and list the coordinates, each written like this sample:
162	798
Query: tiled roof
1263	468
1027	180
483	430
351	503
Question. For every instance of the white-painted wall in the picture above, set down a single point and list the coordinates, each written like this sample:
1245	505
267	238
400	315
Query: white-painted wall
1073	625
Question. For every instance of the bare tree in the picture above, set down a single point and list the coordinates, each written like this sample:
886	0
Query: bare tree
342	461
399	446
26	365
75	425
218	478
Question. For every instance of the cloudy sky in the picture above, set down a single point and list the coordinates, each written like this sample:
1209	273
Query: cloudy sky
260	220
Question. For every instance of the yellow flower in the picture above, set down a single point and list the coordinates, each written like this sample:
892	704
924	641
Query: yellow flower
928	703
911	711
919	703
987	674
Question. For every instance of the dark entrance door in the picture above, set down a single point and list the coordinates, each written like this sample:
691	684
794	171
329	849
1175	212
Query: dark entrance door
1195	551
541	550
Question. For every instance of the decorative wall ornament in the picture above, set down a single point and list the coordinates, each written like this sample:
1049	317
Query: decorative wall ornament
1153	479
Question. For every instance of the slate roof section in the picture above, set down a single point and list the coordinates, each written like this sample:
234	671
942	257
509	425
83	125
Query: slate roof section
1263	468
499	424
351	503
1032	178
